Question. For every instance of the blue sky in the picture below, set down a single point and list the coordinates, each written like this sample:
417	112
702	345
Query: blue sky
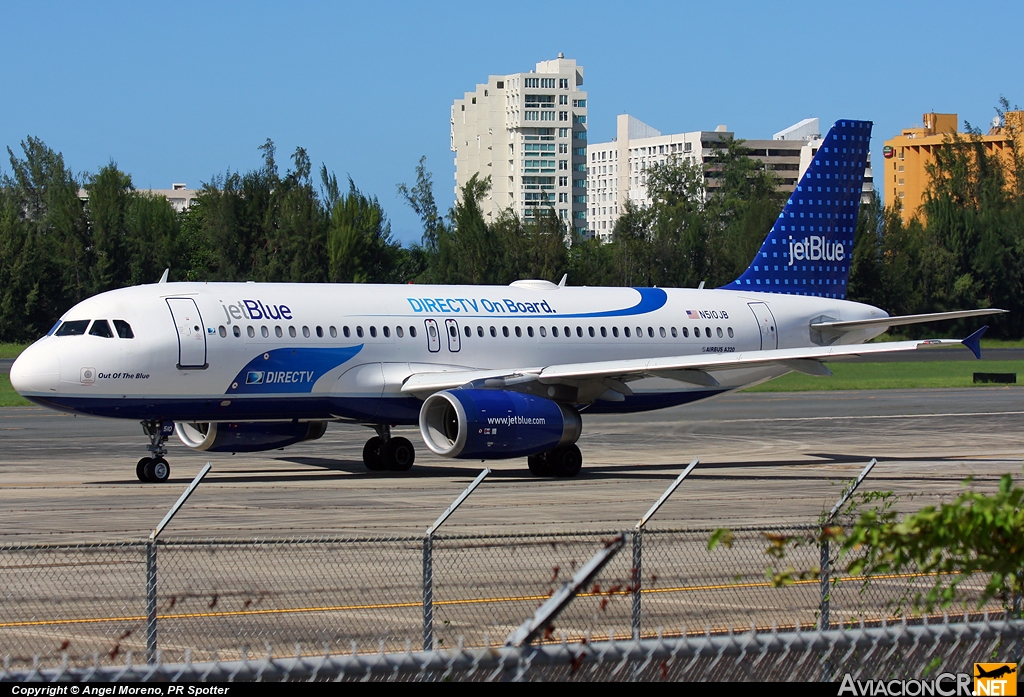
182	91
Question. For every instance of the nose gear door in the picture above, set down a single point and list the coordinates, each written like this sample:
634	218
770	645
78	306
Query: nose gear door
454	340
191	333
766	321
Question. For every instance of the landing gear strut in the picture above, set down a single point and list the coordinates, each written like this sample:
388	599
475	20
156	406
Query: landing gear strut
155	469
560	462
382	452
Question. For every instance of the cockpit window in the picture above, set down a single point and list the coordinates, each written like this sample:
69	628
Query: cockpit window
73	328
124	330
101	327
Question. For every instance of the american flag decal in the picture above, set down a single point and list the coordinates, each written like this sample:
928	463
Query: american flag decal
692	314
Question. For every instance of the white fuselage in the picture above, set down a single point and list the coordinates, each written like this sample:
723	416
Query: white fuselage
246	351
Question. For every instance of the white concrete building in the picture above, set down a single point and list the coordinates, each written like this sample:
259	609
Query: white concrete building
179	196
527	132
616	173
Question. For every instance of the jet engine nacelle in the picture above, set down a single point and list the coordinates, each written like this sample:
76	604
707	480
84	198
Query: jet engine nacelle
247	437
495	424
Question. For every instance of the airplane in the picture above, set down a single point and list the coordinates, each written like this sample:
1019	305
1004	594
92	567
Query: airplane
486	372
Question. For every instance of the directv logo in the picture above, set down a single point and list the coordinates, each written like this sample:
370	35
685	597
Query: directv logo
254	377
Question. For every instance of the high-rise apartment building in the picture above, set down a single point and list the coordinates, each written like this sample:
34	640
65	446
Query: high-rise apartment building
617	169
908	156
528	133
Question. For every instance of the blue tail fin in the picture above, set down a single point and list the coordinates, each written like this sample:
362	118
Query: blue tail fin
809	249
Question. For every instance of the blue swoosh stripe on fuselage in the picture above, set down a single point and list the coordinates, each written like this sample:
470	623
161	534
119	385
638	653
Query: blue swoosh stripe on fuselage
651	299
289	370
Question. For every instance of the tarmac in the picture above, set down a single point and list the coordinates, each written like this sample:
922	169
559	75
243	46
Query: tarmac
768	458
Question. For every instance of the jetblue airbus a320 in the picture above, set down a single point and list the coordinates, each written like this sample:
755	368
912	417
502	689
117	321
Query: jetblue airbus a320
487	372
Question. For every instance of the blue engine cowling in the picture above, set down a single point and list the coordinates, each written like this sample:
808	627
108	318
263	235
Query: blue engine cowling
247	437
495	424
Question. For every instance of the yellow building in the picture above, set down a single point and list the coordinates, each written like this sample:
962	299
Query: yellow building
904	171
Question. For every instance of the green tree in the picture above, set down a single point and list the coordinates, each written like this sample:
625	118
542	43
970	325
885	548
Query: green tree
359	244
110	194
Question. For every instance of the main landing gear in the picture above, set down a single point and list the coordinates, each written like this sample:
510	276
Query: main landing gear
155	469
560	462
382	452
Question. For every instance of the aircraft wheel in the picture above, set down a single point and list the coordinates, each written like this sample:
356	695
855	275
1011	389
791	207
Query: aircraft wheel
140	469
398	454
157	470
539	465
372	454
567	461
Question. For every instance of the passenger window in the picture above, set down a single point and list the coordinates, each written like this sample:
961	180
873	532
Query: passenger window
543	331
278	332
265	332
591	330
675	334
250	331
615	332
468	331
730	333
719	330
639	332
568	333
101	328
529	332
504	330
554	331
223	330
412	332
661	330
305	331
707	332
291	332
399	331
74	328
373	332
493	332
604	333
579	331
432	330
237	331
346	332
124	330
479	331
320	332
334	332
359	332
387	331
625	330
519	332
686	333
453	331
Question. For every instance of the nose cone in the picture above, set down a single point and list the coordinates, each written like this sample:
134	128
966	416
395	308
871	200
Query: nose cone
37	371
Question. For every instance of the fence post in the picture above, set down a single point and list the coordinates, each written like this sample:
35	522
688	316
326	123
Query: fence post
151	601
825	607
151	564
638	532
428	561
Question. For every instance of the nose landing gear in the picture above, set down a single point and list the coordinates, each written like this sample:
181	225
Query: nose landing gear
155	469
382	452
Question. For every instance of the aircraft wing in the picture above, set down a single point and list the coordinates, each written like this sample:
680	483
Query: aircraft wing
692	369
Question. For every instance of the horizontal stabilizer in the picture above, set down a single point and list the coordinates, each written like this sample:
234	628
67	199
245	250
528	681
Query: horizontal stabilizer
841	327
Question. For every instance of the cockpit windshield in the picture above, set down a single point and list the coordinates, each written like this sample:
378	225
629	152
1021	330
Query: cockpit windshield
75	327
100	327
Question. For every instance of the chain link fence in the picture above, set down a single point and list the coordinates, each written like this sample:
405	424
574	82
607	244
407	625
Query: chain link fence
944	651
87	604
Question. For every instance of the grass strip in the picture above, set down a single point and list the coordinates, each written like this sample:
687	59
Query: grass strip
889	376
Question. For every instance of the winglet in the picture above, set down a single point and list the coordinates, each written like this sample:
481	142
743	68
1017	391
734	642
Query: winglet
163	279
973	342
